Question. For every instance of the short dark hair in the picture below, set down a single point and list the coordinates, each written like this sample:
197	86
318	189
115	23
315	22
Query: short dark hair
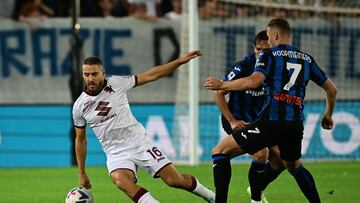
93	60
261	36
282	24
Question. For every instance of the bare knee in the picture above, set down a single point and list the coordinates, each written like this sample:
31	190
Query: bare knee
216	150
261	155
125	181
227	146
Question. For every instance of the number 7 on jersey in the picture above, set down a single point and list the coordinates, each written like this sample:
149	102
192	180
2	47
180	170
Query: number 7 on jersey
294	75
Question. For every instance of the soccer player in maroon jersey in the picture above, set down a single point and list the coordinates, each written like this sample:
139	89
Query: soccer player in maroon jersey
104	106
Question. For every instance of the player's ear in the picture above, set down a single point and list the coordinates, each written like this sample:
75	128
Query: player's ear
276	35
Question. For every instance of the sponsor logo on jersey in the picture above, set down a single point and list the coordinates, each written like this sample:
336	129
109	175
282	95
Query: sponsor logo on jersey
108	118
255	93
103	108
288	98
108	89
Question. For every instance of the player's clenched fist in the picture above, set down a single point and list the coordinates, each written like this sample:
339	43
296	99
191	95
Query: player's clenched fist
212	83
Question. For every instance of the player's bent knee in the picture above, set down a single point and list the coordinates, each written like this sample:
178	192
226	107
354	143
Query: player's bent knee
261	155
218	149
215	151
259	158
123	182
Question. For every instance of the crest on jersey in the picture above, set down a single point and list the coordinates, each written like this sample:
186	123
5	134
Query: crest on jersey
108	89
103	108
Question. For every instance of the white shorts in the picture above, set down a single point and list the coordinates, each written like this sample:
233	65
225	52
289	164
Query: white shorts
147	155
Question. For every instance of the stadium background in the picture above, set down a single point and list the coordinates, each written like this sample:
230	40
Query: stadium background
35	99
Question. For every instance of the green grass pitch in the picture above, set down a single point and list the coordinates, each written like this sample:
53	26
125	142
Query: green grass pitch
336	182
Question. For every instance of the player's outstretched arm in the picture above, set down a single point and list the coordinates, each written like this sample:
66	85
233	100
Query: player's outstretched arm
241	84
331	91
160	71
80	149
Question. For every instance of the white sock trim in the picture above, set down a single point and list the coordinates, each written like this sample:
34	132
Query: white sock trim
203	192
147	198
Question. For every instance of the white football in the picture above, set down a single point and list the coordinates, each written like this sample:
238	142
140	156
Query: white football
79	195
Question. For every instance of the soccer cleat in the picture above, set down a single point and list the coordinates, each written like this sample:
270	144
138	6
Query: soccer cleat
263	198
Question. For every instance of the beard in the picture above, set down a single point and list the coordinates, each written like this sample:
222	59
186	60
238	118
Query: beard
93	87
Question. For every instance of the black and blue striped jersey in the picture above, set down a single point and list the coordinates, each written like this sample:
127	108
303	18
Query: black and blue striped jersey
287	71
244	105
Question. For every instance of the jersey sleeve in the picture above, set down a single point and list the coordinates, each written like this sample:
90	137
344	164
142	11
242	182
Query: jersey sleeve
125	82
316	74
79	121
236	71
262	63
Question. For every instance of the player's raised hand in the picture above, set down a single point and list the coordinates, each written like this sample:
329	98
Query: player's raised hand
327	122
212	83
187	57
84	181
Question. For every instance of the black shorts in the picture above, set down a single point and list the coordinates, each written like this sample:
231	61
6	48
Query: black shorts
252	138
286	134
